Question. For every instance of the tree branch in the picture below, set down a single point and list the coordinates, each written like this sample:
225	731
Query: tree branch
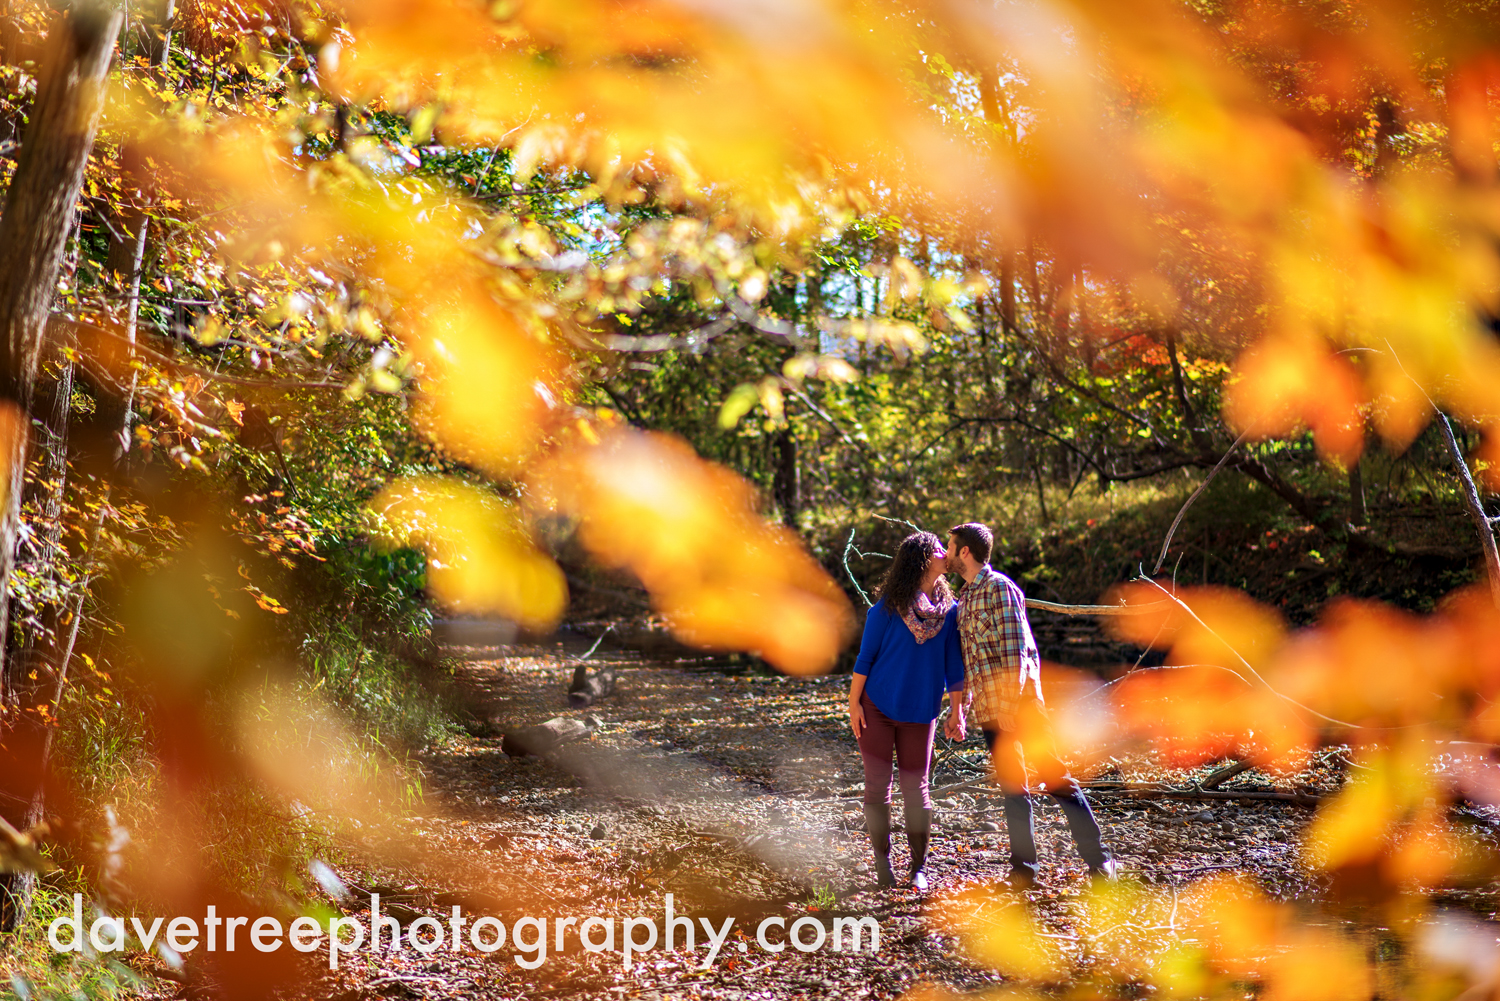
1179	385
1167	542
1245	663
165	361
1051	606
1165	467
1482	522
1262	474
1475	507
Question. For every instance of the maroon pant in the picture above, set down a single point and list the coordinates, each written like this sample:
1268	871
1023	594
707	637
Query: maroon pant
911	746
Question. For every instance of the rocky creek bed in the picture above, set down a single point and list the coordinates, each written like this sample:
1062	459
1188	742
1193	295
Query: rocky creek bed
737	794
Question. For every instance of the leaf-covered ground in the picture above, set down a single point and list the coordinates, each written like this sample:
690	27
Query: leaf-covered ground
738	794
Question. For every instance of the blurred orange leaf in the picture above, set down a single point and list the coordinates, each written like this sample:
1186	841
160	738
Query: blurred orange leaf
722	576
1284	383
486	391
479	557
1000	932
1359	824
1369	663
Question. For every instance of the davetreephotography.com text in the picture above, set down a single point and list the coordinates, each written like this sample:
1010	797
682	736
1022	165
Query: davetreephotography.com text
529	939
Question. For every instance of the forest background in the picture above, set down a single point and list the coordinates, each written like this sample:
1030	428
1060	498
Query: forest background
318	319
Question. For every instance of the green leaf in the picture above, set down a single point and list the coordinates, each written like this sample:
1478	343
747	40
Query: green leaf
739	403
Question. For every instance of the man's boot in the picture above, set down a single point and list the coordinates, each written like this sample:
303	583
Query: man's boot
878	824
1018	826
918	833
1085	828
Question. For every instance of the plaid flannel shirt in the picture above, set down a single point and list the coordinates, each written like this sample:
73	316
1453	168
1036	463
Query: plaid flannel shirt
1000	654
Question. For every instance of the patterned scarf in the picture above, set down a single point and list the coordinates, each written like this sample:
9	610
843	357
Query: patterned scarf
924	619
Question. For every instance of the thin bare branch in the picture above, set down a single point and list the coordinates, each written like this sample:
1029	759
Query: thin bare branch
1245	663
1167	542
1052	606
849	547
178	365
1482	522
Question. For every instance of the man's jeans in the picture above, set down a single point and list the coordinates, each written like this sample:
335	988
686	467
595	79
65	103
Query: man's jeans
1009	768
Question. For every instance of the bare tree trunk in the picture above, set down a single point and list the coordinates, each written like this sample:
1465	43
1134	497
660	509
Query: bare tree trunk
989	97
787	484
48	650
1041	490
127	254
986	365
128	241
1088	347
34	227
159	32
28	652
62	639
1008	291
9	38
995	109
1033	284
127	249
53	405
1358	513
33	234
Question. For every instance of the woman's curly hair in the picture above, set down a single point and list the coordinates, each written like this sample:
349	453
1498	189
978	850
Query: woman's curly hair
904	579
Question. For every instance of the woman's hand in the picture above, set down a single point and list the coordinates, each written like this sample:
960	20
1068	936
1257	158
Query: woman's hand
856	711
954	727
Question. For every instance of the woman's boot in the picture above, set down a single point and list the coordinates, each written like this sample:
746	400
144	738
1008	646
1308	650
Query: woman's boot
878	824
918	832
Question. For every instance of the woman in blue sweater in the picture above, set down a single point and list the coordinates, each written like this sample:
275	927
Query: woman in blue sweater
908	658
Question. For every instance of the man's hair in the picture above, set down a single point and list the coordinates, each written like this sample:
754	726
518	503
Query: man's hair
978	538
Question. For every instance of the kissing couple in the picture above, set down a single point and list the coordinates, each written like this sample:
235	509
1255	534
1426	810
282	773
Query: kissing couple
923	640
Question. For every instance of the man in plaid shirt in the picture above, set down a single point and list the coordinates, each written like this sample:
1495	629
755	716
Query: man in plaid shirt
1003	677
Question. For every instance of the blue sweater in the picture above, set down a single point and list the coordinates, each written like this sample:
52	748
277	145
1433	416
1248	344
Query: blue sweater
906	679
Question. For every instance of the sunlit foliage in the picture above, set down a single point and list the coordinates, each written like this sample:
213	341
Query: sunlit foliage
1144	214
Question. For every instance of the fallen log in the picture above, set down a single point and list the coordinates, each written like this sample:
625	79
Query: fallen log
1037	604
1197	792
1219	776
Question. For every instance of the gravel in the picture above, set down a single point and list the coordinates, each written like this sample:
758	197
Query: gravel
754	811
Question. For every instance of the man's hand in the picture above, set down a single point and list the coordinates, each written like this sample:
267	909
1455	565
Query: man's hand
856	718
